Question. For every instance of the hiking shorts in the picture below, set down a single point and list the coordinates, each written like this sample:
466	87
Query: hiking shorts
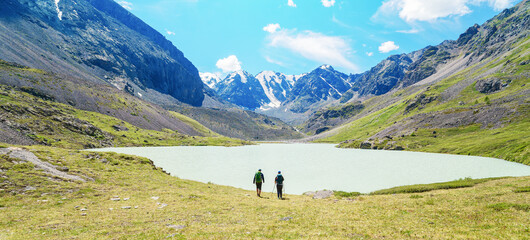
258	185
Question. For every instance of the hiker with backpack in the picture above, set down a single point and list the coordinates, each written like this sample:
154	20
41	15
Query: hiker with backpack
279	184
258	180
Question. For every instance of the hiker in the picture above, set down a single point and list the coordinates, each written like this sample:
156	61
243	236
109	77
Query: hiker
279	184
258	180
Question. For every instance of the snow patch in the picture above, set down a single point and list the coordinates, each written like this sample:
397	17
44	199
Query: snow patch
291	79
59	12
242	75
330	86
264	79
210	79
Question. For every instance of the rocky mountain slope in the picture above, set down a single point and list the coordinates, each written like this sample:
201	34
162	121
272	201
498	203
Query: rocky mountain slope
242	124
475	101
321	85
89	96
98	40
242	89
38	107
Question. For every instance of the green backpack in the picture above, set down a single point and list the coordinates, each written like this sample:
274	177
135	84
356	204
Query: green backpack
258	177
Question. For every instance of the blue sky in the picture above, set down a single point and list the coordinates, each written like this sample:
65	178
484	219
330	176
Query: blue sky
296	36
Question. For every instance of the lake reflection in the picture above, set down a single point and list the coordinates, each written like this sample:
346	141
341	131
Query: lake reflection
309	167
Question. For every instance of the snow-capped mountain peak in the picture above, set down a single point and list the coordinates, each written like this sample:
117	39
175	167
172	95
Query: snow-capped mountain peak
275	85
269	89
210	79
326	67
243	76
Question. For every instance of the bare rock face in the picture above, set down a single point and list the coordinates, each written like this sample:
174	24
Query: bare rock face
488	85
97	40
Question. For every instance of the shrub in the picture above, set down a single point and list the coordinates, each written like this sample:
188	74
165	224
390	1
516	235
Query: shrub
505	206
342	194
522	189
461	183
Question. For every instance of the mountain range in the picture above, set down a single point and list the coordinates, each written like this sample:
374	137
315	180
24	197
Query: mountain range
266	90
326	87
270	92
94	55
85	71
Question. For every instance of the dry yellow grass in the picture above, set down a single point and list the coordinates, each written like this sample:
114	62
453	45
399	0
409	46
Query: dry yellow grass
491	210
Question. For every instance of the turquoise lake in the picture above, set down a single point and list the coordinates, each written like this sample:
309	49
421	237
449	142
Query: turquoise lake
310	167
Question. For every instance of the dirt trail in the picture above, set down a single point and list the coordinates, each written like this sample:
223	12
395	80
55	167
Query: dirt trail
28	156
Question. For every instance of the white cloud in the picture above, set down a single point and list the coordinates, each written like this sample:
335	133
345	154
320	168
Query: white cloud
328	3
499	5
170	32
229	64
272	27
273	61
126	5
314	46
339	22
369	54
388	47
291	3
421	10
432	10
411	31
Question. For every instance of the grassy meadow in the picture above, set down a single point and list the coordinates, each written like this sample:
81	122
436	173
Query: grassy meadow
160	206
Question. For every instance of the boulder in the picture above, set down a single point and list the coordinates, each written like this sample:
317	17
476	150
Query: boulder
366	145
488	85
176	227
120	128
323	194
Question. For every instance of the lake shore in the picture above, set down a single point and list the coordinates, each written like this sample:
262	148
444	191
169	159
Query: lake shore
311	167
130	198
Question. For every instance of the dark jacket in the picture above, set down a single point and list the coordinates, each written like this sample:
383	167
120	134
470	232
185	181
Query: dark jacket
262	177
279	179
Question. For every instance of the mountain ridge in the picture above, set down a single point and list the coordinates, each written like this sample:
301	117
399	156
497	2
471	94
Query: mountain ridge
96	45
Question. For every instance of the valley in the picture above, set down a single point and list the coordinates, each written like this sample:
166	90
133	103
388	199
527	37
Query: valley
89	74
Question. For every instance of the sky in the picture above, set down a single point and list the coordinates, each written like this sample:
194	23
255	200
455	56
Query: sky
297	36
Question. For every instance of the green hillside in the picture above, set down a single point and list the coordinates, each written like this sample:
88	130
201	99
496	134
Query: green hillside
59	125
454	115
